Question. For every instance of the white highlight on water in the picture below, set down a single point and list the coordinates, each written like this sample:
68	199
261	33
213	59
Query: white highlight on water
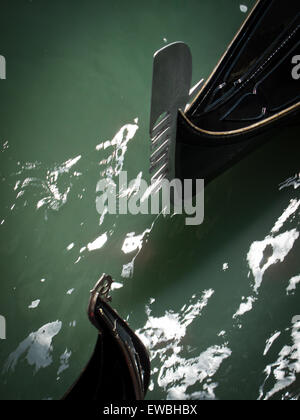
34	304
98	243
163	335
37	348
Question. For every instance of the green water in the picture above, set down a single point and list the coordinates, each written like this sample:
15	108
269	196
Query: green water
217	305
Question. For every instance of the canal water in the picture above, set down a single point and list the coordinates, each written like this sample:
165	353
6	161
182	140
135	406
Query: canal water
217	305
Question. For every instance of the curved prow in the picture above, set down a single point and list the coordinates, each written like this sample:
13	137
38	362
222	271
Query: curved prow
119	368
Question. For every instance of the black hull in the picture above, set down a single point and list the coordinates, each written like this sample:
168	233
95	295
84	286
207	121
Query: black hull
204	156
250	94
119	369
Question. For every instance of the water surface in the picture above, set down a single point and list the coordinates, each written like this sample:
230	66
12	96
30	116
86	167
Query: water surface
217	304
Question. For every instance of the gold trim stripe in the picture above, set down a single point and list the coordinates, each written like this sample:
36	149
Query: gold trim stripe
245	129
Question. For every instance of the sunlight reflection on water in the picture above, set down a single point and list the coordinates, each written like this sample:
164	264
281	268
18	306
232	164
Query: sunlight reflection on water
285	369
261	256
163	337
37	348
54	195
175	374
273	249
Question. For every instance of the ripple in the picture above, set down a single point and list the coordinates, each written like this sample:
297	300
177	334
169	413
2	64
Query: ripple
288	212
292	285
71	246
5	146
119	144
291	182
274	248
64	361
34	304
270	341
285	369
37	348
243	8
279	246
245	307
163	337
178	373
133	243
98	243
112	165
53	192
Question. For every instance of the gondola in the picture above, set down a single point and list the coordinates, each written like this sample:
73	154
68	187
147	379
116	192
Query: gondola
254	89
119	369
197	134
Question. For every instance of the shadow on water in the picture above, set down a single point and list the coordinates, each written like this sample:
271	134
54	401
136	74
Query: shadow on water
236	205
179	261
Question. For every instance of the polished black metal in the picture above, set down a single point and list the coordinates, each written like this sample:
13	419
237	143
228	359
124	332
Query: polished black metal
119	368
